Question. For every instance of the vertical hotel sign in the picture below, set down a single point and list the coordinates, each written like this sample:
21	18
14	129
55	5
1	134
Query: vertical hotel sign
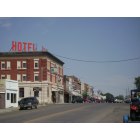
23	47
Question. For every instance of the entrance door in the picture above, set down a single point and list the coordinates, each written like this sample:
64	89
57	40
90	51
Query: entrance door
2	100
53	97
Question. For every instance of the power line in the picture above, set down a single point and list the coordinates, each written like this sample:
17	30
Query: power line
95	61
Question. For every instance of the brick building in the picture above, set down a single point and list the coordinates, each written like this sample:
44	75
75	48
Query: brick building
39	74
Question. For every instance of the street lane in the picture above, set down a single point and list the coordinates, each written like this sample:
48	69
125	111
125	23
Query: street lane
69	113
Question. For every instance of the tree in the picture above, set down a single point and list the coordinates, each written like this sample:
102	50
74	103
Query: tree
137	82
120	97
109	97
85	95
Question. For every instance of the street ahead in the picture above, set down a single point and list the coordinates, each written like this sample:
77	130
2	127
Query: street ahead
69	113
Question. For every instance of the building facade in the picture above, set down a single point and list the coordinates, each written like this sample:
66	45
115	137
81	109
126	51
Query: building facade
72	88
39	74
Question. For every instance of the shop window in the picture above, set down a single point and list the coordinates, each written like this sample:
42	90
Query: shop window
8	96
36	93
21	92
13	98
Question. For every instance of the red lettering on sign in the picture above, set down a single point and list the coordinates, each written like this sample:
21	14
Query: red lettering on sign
29	46
13	46
24	43
23	46
19	47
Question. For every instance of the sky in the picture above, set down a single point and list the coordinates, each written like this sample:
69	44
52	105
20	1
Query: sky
84	38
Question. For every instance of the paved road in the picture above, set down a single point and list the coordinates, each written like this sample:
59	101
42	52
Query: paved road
69	113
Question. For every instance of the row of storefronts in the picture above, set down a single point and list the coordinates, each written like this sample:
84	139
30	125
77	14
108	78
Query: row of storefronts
40	74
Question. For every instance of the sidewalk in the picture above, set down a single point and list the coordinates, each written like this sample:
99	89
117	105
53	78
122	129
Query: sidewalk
8	110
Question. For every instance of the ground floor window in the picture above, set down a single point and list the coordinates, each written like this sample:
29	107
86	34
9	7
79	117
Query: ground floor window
36	93
21	92
8	96
13	98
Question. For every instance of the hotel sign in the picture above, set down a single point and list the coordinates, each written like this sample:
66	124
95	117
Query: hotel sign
23	47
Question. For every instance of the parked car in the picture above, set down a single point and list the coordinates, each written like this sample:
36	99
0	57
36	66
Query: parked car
29	102
77	99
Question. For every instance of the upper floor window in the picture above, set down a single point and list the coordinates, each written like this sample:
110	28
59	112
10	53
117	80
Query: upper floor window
24	77
8	64
24	64
18	77
3	77
36	63
36	76
18	64
8	76
3	65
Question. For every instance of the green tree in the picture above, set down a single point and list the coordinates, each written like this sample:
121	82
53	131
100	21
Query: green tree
120	97
85	95
109	97
137	82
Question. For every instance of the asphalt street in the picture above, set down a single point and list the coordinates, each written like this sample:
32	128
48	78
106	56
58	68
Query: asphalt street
69	113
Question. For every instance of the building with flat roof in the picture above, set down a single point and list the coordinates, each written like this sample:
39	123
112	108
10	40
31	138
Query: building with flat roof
39	74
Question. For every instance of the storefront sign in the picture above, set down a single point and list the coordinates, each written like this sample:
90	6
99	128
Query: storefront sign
23	47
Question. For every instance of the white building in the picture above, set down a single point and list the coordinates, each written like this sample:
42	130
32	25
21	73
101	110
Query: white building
8	93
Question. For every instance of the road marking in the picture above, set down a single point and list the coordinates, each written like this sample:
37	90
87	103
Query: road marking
52	115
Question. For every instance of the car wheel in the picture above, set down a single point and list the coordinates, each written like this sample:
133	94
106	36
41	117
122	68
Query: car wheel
31	107
20	108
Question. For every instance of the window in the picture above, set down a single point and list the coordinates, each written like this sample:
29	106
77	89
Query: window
36	64
13	98
24	77
3	77
18	77
8	76
36	93
21	92
24	64
8	64
18	64
3	66
8	96
36	77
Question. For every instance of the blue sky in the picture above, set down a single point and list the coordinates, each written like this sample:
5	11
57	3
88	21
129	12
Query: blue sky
95	39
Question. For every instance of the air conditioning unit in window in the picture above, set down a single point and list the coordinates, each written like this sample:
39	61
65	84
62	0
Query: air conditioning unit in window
19	67
8	67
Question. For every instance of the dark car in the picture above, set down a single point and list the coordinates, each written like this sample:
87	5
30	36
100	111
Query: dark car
77	99
135	105
28	102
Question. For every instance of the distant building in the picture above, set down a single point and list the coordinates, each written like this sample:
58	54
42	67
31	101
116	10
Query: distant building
39	74
72	88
